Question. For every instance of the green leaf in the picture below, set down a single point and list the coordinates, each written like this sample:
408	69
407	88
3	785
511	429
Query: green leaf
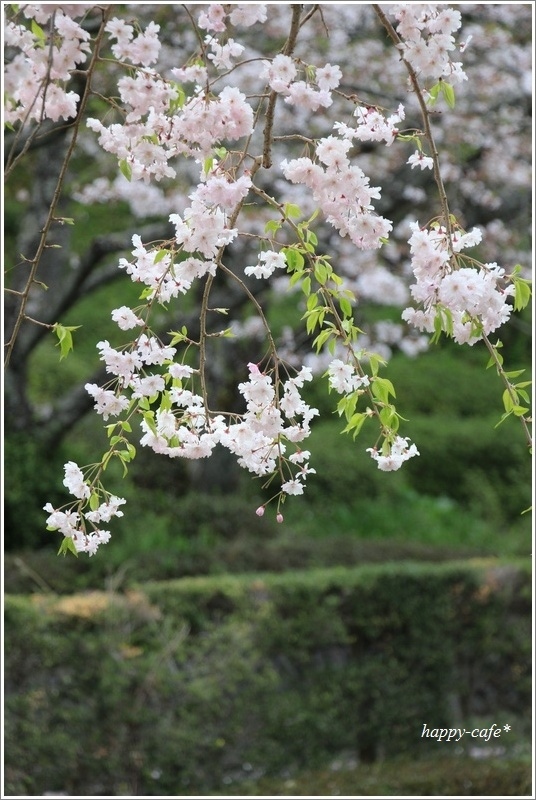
346	307
355	424
294	258
500	422
497	359
322	338
126	169
94	501
434	93
336	278
176	337
312	320
296	277
321	272
389	418
311	238
149	420
38	32
177	102
508	401
347	405
312	301
165	401
65	338
67	546
272	226
448	94
522	294
160	256
519	411
438	330
292	210
151	138
382	388
375	362
306	288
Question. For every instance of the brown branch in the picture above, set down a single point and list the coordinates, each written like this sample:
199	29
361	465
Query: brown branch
287	51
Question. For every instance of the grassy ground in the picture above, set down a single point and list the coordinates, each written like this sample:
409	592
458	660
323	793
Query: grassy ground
444	776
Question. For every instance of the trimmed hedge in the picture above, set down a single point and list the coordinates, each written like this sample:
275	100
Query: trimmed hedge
190	686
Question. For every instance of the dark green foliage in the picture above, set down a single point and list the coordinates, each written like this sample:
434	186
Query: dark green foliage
485	469
31	479
192	686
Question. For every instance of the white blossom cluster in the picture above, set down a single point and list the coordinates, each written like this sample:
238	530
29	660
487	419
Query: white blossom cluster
72	524
341	191
474	298
400	450
426	31
34	80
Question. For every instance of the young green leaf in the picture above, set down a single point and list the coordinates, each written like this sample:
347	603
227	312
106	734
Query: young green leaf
38	32
125	169
65	338
522	294
67	546
292	210
448	94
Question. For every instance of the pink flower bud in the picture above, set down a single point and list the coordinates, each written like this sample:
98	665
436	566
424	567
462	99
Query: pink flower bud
279	518
260	511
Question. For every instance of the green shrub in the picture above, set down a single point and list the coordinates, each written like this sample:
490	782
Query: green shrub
187	686
484	468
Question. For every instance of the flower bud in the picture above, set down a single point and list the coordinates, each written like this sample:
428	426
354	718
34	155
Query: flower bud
279	518
260	511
